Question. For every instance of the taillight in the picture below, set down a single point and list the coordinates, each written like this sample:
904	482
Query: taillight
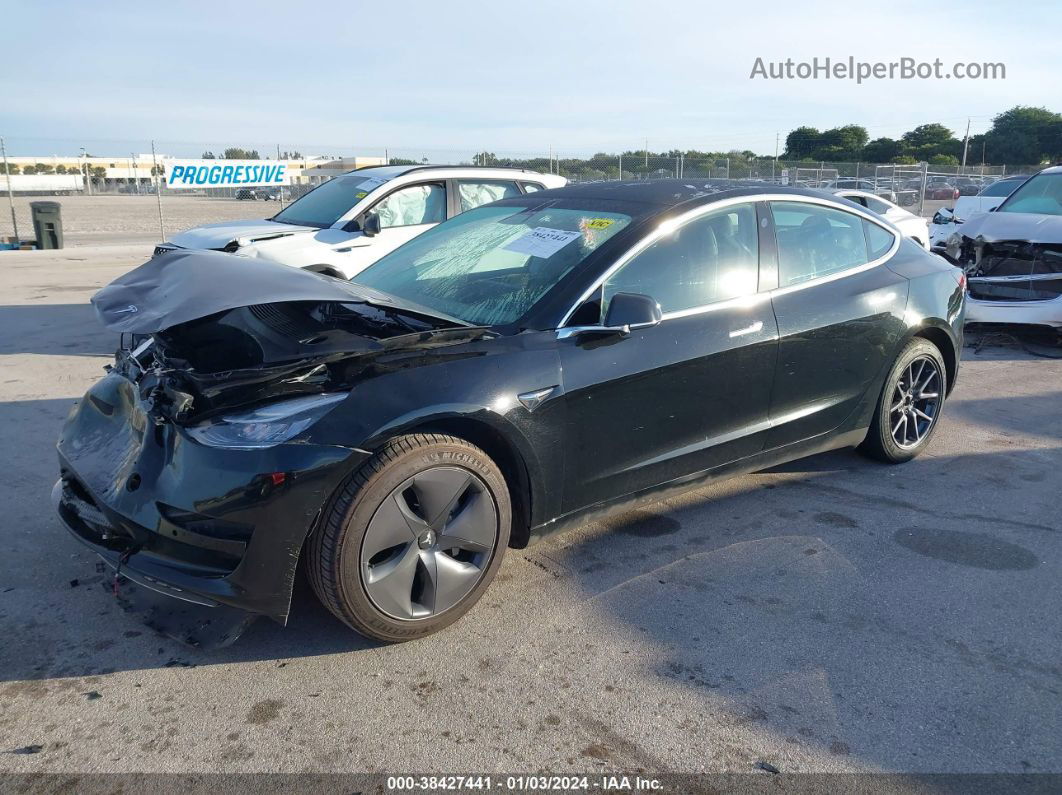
962	279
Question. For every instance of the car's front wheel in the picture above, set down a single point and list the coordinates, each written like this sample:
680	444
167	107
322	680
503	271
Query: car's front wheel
413	538
909	408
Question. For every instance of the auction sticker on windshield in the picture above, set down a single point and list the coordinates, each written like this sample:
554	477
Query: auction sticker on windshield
542	242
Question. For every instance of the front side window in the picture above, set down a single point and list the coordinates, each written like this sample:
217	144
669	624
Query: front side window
711	258
815	241
490	265
413	205
474	194
1042	195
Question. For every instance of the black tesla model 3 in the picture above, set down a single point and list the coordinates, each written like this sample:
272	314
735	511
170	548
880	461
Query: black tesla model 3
515	371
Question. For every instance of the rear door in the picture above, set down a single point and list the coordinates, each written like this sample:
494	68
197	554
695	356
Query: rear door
683	396
839	312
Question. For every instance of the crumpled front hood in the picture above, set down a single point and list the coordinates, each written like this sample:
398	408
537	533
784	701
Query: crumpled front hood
177	287
1028	227
211	236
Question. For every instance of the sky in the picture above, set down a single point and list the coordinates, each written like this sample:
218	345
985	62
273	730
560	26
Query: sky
430	78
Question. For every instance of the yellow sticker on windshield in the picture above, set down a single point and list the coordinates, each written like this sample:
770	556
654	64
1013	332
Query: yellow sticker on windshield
598	223
361	195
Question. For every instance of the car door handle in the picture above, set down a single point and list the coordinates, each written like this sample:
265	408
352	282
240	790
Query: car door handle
741	332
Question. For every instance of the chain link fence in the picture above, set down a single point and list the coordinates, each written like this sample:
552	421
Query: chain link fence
126	199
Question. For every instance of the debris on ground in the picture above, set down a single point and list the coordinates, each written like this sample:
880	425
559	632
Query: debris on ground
92	695
29	749
767	766
1041	341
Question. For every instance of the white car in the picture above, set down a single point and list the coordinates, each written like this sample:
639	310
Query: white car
344	225
947	220
909	224
1013	256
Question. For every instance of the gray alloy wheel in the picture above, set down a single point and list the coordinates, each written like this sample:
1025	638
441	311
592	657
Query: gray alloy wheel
915	402
413	538
909	406
428	543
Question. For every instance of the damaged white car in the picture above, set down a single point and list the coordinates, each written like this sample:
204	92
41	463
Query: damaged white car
346	224
1013	256
947	219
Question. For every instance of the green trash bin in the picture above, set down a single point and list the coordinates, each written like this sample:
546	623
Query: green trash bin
47	224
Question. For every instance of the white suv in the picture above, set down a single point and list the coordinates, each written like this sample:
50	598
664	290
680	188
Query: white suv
344	225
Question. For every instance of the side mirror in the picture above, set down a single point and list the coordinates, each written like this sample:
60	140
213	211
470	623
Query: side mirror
370	224
632	310
626	311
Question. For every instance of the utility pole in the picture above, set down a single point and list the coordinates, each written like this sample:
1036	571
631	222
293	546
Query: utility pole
158	189
774	165
280	190
10	194
966	142
88	172
647	153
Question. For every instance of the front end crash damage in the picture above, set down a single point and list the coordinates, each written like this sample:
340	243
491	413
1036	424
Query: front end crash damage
1013	264
191	468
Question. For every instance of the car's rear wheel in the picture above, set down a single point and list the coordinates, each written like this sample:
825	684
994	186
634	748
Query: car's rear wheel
412	540
909	408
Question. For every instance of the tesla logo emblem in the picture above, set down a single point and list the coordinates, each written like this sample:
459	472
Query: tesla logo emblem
130	310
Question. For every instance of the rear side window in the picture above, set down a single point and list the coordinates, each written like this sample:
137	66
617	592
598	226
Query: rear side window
531	187
877	206
816	241
474	194
879	240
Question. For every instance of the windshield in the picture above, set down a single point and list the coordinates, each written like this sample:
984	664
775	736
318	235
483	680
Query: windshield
1042	195
328	202
488	266
1002	188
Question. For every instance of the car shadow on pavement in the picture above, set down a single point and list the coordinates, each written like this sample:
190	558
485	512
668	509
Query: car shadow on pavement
836	607
54	329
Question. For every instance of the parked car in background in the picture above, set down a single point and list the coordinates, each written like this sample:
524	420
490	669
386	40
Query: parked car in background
261	193
941	188
946	220
513	372
1012	256
967	186
342	226
910	225
865	185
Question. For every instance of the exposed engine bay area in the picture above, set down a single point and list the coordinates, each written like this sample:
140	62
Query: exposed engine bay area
213	331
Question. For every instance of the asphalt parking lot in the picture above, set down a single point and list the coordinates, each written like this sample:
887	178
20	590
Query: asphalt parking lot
830	615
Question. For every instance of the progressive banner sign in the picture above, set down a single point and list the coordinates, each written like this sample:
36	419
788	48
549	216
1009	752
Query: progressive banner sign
225	173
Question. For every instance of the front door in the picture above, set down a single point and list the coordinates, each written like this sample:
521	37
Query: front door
404	213
683	396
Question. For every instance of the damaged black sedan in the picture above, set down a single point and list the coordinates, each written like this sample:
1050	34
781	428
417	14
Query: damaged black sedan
520	369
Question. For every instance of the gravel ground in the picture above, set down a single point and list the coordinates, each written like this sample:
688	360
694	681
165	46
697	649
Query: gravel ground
830	615
95	220
118	219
